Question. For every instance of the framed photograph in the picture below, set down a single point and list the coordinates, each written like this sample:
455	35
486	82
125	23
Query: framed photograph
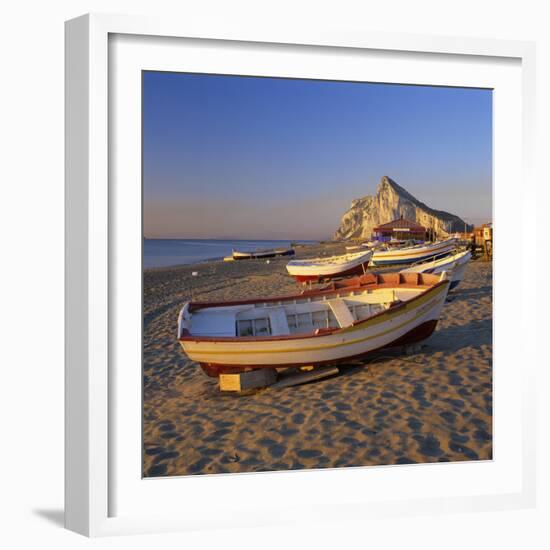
287	291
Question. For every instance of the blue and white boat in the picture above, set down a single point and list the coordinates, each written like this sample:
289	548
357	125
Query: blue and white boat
412	254
454	264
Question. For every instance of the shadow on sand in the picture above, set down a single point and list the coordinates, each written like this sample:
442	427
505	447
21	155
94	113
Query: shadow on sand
449	339
467	293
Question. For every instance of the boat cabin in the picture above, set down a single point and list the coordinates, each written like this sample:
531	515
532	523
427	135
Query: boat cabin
308	313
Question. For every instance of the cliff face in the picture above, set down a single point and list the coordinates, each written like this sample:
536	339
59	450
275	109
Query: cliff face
392	202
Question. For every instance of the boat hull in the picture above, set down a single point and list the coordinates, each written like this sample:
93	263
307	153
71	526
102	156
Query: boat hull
403	323
261	255
454	265
417	334
308	271
458	273
412	255
356	270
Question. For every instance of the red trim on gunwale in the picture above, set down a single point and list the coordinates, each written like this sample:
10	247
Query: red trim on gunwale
188	337
364	282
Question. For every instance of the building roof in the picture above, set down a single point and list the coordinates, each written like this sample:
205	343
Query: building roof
401	223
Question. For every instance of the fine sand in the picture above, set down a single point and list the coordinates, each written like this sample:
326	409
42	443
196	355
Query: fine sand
433	406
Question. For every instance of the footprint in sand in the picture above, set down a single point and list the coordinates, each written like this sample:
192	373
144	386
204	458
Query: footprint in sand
151	451
308	453
157	470
414	424
429	445
165	456
466	451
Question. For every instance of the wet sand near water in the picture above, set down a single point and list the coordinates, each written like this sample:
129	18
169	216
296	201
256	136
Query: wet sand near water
431	406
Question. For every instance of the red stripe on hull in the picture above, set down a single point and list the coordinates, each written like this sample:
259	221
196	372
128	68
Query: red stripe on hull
357	270
417	334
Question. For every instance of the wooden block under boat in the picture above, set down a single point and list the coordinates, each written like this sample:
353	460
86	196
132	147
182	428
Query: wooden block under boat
248	380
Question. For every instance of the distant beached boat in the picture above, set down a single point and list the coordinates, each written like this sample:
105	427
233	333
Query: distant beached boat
453	264
412	254
259	254
317	269
362	246
320	327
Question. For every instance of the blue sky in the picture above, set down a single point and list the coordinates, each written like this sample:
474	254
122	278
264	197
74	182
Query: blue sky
247	157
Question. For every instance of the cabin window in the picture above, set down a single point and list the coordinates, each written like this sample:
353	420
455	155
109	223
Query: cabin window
261	327
253	327
304	320
244	328
361	312
320	319
292	325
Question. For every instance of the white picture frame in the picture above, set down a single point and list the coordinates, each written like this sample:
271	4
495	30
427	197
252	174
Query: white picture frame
92	219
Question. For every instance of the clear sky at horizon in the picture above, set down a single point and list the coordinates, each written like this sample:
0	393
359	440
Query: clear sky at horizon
269	158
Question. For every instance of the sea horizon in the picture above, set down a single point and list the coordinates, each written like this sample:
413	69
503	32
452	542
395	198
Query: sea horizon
170	252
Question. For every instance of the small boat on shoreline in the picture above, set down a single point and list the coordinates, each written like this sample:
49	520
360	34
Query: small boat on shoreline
454	264
318	269
412	254
364	245
261	254
322	327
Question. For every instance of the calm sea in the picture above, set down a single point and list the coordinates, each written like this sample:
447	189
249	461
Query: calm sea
169	252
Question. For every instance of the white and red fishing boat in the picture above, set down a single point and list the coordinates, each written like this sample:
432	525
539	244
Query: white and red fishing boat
260	254
318	269
454	264
341	322
412	254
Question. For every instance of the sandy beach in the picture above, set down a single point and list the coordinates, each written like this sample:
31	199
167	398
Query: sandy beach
431	406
